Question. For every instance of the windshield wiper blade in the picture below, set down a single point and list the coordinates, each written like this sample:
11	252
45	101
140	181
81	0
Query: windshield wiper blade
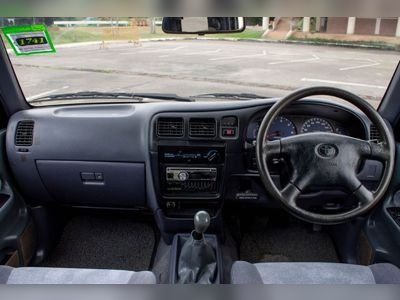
162	96
242	96
113	95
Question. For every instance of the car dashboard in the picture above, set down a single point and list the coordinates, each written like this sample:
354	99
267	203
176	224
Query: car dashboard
168	157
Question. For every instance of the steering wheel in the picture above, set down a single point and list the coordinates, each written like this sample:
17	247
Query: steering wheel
325	159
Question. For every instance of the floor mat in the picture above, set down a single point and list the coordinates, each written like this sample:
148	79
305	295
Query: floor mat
291	243
104	243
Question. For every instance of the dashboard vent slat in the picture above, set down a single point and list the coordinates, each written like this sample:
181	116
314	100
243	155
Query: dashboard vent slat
374	134
202	128
170	127
24	133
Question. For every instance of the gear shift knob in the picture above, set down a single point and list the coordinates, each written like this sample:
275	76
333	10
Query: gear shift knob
201	222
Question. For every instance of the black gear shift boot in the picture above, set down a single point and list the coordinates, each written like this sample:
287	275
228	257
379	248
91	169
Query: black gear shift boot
197	261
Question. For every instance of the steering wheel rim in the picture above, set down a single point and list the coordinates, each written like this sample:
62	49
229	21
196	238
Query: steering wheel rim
344	155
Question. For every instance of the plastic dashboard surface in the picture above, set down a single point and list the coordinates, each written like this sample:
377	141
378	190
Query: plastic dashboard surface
118	140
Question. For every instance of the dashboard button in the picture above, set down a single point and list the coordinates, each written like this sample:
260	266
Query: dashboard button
229	132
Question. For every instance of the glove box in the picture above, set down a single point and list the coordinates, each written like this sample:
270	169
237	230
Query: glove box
94	184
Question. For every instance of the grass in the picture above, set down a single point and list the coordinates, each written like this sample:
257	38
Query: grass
247	34
322	41
89	34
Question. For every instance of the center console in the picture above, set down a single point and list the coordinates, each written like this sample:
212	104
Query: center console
190	172
188	154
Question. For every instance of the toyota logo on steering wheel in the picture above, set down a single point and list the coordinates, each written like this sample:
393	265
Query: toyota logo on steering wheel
327	151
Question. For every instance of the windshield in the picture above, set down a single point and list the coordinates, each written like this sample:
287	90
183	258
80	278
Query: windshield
272	57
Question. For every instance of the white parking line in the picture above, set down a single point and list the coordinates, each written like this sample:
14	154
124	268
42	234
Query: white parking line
162	50
46	93
151	51
344	83
264	53
204	52
372	64
314	58
194	53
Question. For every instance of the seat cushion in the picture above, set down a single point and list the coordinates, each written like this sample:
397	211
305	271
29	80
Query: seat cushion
33	275
313	273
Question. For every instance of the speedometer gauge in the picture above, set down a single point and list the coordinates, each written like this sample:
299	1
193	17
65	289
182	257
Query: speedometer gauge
316	125
281	127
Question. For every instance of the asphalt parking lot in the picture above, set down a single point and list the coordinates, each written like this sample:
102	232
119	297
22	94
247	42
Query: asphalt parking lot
204	66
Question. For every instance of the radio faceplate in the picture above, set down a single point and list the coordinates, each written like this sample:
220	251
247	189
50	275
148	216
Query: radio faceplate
191	174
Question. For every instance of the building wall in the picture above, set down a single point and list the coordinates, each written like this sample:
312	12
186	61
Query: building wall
388	27
365	26
336	25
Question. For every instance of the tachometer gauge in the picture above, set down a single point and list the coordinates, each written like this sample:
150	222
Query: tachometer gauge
316	125
281	127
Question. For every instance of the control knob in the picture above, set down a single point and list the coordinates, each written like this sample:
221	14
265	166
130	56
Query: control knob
183	176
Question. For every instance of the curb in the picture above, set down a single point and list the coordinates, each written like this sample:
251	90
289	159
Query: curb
301	42
308	42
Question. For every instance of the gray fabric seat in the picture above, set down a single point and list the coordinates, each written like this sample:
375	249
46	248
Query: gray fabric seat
33	275
313	273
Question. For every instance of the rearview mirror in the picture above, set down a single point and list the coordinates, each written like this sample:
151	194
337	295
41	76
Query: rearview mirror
203	25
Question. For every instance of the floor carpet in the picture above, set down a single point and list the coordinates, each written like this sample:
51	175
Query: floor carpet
265	242
104	243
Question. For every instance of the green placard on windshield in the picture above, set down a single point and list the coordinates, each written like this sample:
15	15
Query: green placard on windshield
29	39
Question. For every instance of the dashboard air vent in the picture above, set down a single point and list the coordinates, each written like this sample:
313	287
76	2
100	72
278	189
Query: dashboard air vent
24	133
374	134
202	128
170	127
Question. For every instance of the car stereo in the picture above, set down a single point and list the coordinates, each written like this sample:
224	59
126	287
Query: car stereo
192	172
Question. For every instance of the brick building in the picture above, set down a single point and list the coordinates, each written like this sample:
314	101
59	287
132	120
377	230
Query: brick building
335	25
361	26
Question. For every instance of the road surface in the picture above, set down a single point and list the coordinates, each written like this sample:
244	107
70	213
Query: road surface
190	67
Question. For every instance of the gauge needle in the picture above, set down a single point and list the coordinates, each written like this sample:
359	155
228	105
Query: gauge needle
274	134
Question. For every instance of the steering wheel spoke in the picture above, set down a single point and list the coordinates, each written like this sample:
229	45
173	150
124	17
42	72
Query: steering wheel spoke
363	195
290	193
379	151
272	148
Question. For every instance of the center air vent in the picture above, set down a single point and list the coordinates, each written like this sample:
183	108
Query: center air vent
374	134
202	128
170	127
24	133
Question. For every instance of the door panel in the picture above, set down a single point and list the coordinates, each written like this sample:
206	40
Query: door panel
382	230
17	234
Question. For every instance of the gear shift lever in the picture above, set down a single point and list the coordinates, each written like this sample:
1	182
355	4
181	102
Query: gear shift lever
197	260
201	223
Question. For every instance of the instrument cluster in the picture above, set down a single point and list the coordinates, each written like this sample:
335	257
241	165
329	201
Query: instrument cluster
288	125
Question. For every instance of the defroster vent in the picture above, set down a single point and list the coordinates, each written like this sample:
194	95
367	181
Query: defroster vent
24	133
170	127
202	127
